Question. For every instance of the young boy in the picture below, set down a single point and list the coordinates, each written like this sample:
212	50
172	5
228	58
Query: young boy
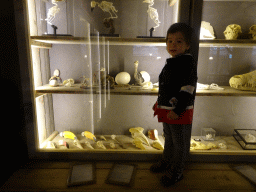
174	106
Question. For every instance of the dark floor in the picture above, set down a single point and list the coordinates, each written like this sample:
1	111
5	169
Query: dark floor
52	176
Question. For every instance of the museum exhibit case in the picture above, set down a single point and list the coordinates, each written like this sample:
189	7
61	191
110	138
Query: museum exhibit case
94	69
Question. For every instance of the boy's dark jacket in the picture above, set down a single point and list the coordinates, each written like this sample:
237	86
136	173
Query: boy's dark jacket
178	74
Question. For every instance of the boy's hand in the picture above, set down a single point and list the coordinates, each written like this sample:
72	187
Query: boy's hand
172	115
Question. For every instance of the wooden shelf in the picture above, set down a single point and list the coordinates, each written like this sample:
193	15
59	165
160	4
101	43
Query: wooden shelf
228	91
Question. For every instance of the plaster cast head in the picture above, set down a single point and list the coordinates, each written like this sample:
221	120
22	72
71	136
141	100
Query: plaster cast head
232	31
252	30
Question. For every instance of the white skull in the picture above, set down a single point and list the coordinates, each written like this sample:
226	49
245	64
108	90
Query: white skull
252	30
232	31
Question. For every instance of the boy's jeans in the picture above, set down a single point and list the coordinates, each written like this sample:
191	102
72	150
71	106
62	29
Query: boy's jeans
177	145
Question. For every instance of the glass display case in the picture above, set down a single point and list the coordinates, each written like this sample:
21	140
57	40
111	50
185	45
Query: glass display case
84	55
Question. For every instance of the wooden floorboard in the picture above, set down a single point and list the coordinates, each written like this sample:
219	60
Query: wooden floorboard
52	176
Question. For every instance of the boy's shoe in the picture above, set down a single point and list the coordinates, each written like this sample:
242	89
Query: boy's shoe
159	167
168	181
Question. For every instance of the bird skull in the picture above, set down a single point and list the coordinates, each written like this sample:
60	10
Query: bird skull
232	31
252	30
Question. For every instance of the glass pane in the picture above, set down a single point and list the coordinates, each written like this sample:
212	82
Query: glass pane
226	49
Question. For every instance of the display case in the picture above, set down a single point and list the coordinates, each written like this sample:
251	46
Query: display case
246	138
77	48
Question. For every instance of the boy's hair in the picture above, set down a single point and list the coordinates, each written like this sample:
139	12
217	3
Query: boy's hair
186	30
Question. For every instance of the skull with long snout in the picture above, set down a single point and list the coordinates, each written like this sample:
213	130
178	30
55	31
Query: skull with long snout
232	31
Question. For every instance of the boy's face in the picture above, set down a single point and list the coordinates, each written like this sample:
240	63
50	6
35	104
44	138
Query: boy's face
176	44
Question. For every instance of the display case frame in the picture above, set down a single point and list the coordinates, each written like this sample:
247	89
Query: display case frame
44	42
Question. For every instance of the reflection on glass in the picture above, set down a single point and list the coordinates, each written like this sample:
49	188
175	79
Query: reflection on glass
219	64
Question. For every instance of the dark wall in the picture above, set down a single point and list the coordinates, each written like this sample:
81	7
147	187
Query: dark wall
13	140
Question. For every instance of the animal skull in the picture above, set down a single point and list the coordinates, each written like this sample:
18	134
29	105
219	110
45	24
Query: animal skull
232	31
245	81
252	30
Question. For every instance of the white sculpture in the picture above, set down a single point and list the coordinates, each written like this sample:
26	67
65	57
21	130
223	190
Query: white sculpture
152	12
252	30
53	11
206	31
122	78
245	81
138	132
232	32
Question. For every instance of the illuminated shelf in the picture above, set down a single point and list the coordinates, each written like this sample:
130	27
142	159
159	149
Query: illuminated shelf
228	91
128	147
111	40
228	43
46	41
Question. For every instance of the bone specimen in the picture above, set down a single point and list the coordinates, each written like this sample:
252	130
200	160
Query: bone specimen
137	75
103	138
222	146
88	144
101	145
114	138
51	145
77	143
206	31
68	82
112	145
198	145
232	32
138	132
157	144
208	136
106	7
153	134
252	30
250	138
206	86
53	11
138	143
152	12
245	81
